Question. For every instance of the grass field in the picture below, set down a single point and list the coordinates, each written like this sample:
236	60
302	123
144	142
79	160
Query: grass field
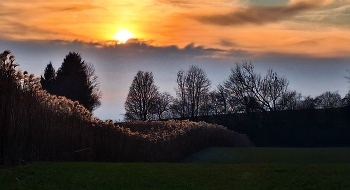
271	156
214	168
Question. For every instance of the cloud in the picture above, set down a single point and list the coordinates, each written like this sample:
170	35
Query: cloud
143	48
336	14
258	15
73	7
193	3
227	43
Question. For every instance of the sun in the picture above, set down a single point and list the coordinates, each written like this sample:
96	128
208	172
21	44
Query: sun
123	35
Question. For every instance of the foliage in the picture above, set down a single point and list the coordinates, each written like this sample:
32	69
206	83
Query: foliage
75	80
48	82
37	126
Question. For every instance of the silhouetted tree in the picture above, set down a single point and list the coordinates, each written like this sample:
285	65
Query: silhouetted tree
141	97
162	105
346	100
220	100
308	103
208	106
193	85
328	100
251	105
76	80
49	79
246	86
290	100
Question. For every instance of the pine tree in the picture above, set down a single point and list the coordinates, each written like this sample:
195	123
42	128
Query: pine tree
75	80
49	79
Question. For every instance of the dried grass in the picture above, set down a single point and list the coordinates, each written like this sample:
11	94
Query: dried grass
38	126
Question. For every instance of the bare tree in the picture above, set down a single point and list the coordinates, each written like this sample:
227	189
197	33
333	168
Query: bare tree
290	100
181	104
253	91
193	85
141	97
162	105
346	100
328	100
308	103
208	106
221	100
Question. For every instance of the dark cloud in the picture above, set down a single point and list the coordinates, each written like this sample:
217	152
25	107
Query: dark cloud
258	15
227	43
143	48
266	2
238	54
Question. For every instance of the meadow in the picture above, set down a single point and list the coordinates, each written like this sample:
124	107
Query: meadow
213	168
43	136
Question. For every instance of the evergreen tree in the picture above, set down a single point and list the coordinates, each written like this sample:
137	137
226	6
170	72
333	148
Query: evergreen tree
75	80
49	79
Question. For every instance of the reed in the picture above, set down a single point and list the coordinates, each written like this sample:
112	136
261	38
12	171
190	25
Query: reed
38	126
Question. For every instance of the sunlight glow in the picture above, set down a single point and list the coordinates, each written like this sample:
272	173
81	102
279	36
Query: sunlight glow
123	35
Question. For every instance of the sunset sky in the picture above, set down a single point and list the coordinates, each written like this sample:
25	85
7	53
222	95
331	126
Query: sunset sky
308	42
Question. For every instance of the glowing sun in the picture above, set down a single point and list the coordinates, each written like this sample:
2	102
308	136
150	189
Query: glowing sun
123	35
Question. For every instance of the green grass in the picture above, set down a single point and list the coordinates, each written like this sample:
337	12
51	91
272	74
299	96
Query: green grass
269	169
271	155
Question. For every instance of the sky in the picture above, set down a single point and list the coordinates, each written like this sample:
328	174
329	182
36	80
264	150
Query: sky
307	42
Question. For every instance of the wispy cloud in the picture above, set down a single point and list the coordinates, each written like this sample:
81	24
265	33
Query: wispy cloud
258	15
76	7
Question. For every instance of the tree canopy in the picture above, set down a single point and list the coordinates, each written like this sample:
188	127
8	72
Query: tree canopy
75	80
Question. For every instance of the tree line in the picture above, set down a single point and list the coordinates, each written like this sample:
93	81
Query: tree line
244	91
38	126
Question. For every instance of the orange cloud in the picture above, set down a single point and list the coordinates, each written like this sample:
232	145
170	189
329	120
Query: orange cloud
312	27
258	15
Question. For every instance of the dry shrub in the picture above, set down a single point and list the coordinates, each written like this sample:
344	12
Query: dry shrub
35	126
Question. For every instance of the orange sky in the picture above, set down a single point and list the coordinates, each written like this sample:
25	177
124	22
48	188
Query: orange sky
317	28
308	42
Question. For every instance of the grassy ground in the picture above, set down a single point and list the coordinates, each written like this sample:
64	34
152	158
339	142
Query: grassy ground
271	155
252	168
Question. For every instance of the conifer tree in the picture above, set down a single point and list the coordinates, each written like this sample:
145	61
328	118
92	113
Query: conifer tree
75	80
49	79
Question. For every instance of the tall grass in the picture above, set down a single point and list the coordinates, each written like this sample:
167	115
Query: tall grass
38	126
